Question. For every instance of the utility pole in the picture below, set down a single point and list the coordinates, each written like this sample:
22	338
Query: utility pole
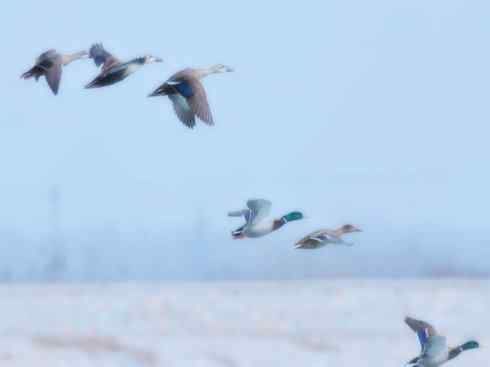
56	262
54	198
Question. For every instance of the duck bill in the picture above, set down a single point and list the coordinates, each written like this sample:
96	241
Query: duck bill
157	59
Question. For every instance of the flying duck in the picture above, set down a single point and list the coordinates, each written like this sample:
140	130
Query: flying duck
188	95
434	350
113	70
50	64
324	237
255	223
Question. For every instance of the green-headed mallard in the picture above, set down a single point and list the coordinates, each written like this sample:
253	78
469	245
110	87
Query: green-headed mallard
324	237
113	70
434	350
50	64
255	225
188	95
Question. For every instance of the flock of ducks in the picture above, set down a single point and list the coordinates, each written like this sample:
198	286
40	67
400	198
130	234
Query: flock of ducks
184	88
257	225
188	96
434	349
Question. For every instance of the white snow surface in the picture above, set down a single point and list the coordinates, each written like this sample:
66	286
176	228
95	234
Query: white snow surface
331	322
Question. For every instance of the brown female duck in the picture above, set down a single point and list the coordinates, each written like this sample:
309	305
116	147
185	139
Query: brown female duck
324	237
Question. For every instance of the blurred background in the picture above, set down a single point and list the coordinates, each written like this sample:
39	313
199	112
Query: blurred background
372	113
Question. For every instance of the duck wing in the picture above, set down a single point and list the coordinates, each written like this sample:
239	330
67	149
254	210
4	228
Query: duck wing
199	102
259	209
42	64
239	213
245	213
317	238
188	85
102	57
53	76
50	63
178	92
309	241
188	97
183	110
423	329
47	56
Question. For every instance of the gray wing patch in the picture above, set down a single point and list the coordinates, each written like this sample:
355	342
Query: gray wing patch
199	102
53	77
259	208
183	110
238	213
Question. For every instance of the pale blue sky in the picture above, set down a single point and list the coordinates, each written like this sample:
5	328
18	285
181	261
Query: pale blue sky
373	112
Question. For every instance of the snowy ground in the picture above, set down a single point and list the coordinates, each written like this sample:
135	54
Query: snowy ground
274	324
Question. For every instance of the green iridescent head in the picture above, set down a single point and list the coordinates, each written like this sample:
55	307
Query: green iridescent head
470	345
293	216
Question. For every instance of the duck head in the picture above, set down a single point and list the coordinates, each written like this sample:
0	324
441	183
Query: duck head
293	216
220	68
350	228
472	344
148	59
454	352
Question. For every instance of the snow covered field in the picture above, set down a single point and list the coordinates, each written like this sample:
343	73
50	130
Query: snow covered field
275	324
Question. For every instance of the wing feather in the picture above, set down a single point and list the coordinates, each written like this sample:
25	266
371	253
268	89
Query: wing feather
192	89
423	329
53	76
101	56
199	102
259	209
183	110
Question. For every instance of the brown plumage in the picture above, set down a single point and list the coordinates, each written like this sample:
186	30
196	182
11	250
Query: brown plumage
419	325
188	95
324	237
50	64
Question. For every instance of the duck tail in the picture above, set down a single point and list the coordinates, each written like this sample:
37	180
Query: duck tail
92	84
32	72
238	233
414	361
162	90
